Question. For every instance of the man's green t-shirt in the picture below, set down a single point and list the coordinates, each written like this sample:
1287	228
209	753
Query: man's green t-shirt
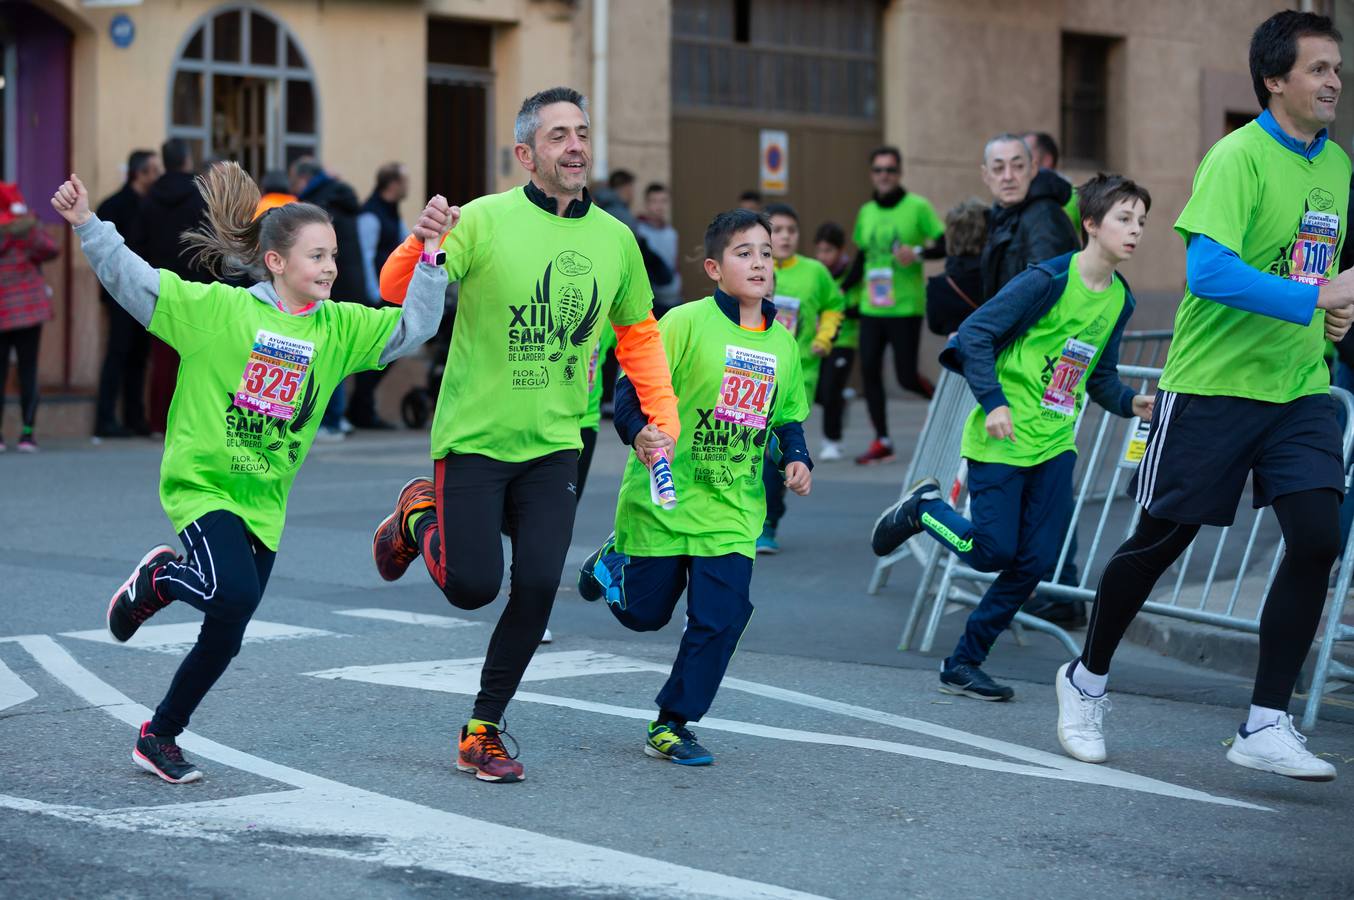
733	385
1280	214
536	291
253	384
892	289
804	291
1043	374
593	417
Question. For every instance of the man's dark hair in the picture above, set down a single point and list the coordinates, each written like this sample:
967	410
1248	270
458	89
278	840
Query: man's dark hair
1100	193
529	116
727	224
175	153
655	187
619	179
888	150
306	167
275	182
750	194
1274	46
780	209
830	233
387	175
137	161
1044	142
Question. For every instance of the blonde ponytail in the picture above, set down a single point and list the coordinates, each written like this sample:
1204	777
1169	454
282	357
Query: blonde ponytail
228	244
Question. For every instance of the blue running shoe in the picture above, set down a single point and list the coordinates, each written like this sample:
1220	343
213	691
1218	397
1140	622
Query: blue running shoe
901	521
594	578
676	743
766	543
970	681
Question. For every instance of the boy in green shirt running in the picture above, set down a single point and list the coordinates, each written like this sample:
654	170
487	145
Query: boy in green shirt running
257	368
810	306
1030	355
737	376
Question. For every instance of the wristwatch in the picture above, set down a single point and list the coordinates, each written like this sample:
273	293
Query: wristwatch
433	259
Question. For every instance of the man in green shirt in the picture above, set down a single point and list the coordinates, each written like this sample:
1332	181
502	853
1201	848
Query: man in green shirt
1245	394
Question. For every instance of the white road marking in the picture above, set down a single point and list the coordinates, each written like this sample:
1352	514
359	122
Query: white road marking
13	689
398	833
407	618
461	676
181	636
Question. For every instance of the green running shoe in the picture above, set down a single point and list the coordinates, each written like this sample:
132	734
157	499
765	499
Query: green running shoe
676	743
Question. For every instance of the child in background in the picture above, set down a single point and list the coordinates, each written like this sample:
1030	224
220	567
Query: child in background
829	248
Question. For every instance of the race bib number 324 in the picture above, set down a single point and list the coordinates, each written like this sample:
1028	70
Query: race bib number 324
273	374
747	388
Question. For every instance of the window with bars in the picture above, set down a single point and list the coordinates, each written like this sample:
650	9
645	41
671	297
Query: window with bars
241	89
1086	99
797	57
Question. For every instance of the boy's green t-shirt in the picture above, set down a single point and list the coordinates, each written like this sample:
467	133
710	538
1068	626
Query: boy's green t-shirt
848	335
536	292
1280	214
892	289
252	387
732	385
607	343
1043	374
805	290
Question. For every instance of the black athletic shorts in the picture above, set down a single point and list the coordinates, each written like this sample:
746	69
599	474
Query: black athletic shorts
1201	449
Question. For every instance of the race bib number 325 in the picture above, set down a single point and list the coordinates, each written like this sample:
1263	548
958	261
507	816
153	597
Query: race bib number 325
747	388
277	365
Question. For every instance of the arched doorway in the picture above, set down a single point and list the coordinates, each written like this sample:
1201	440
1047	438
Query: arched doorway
242	89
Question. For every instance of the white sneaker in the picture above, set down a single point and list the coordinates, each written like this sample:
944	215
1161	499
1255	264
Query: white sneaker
1081	720
328	435
1280	749
832	451
547	638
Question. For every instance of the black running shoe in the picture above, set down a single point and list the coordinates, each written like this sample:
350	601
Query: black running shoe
136	601
971	681
900	521
161	756
594	579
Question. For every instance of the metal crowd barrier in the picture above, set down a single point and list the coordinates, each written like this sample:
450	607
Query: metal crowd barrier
1221	580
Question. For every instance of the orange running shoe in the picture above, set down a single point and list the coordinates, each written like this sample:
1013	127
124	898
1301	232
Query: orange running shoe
483	753
393	548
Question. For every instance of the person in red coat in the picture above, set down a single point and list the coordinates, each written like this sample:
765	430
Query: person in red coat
25	303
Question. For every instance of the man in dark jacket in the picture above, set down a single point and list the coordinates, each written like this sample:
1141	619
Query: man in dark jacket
1027	224
128	350
380	231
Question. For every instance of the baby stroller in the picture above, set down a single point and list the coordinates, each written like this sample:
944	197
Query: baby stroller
416	408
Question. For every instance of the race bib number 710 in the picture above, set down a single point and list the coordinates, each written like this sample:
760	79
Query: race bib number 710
277	365
747	388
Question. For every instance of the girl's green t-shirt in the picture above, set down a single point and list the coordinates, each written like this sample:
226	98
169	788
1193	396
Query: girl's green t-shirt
1281	214
1043	374
536	291
892	289
733	386
805	290
252	386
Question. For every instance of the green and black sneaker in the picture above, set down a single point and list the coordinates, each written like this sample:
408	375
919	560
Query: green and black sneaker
676	743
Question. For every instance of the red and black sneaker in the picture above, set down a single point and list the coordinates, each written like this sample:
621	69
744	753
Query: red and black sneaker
483	753
880	451
162	757
393	548
136	600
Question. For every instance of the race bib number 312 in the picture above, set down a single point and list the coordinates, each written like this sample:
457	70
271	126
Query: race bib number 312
1061	394
277	365
748	386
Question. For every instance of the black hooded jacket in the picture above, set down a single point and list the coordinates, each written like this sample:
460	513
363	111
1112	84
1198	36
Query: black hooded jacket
172	206
1029	232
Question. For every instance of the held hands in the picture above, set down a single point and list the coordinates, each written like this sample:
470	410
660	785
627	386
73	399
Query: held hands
999	424
1338	322
71	200
798	478
436	220
650	441
1143	405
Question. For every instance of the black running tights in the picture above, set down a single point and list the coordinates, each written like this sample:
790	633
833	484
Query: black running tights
903	334
1311	530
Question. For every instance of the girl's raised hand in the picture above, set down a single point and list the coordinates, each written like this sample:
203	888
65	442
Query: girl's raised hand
71	200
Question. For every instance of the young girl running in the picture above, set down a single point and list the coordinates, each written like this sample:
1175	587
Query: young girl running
258	366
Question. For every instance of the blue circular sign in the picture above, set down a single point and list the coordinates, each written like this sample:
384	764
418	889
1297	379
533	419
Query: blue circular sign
122	30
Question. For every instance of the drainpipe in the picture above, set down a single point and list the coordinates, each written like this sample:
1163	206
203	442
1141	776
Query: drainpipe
600	164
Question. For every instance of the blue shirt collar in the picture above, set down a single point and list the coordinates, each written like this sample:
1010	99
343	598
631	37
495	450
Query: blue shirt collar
1308	152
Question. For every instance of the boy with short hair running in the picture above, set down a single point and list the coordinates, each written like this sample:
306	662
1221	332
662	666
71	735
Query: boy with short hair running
829	248
258	366
1245	392
542	271
736	371
1031	354
810	306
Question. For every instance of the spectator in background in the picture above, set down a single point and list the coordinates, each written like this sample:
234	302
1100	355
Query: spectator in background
1027	223
829	248
1044	151
24	304
655	229
172	206
958	291
128	349
750	199
276	190
379	231
311	184
616	197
